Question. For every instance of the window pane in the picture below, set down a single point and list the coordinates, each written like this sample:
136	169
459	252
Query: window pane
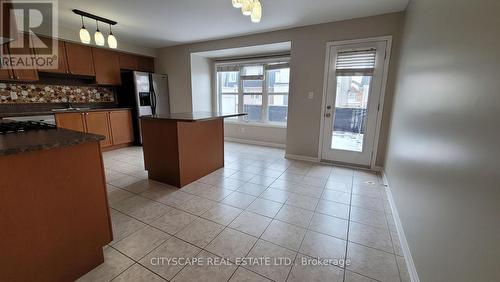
228	81
350	112
278	108
252	105
278	80
252	86
229	103
253	70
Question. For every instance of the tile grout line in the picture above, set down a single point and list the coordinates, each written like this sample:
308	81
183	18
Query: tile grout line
348	228
226	226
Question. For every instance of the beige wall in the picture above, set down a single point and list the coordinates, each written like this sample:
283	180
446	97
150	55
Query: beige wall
271	136
443	159
201	83
307	71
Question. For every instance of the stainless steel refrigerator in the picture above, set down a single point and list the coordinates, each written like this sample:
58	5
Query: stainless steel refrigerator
146	93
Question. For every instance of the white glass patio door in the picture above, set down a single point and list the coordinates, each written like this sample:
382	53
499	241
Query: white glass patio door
354	85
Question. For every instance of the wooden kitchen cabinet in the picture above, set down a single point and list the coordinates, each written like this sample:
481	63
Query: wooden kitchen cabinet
98	123
62	62
72	121
115	126
23	74
6	72
146	64
121	127
128	61
8	27
79	59
107	67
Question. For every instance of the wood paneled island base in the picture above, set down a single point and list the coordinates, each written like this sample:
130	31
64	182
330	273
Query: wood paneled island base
182	148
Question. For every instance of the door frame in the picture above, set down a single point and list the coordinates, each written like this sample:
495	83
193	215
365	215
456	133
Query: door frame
385	74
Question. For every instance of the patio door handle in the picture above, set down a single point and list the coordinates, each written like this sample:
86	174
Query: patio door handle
328	115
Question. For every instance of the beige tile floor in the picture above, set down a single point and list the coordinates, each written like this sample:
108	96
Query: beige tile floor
259	206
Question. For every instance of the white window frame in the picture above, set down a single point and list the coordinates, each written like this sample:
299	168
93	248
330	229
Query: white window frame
265	94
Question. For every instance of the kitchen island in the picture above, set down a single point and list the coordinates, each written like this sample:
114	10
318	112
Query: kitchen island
182	148
54	215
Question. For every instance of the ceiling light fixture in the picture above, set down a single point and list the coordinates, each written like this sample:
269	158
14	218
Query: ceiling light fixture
84	34
256	15
98	36
237	4
246	7
112	43
252	8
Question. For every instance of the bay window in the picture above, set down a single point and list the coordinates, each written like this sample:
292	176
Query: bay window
259	89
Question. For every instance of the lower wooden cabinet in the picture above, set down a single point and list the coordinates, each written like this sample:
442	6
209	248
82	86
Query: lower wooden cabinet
121	127
98	123
115	126
73	121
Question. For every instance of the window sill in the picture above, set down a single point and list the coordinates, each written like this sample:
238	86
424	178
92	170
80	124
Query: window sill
256	124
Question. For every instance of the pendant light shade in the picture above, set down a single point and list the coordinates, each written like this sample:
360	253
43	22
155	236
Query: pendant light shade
98	36
256	12
237	3
112	41
246	7
84	34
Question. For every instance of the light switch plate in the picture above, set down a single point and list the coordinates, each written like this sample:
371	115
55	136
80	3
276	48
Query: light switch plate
310	95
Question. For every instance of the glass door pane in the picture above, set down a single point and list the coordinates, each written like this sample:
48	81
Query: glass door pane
351	108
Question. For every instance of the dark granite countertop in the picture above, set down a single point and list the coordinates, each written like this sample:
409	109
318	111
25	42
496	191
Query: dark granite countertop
42	113
194	116
15	143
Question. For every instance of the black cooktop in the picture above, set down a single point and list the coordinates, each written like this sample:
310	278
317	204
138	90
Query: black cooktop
22	126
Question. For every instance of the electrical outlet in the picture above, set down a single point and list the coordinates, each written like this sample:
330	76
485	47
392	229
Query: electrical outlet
310	95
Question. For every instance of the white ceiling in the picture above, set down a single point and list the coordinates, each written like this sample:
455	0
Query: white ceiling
160	23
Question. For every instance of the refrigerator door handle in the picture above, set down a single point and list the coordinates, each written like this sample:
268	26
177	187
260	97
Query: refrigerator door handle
152	94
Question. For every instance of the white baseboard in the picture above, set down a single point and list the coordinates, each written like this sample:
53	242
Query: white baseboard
402	238
302	158
254	142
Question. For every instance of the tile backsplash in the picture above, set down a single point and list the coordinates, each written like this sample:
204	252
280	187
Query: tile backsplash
16	93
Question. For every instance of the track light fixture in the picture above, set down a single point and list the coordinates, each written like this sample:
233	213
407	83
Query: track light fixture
98	36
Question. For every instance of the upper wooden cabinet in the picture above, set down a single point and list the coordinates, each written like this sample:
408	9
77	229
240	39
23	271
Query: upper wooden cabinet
107	67
62	63
5	71
98	123
8	28
145	64
80	61
21	47
76	59
128	61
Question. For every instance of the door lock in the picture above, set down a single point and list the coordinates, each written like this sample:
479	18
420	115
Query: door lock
328	115
328	107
